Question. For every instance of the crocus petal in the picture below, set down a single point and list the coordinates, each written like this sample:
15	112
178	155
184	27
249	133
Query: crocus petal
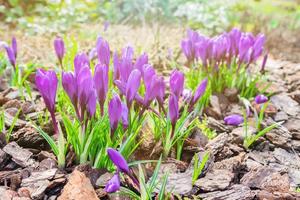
11	55
118	160
173	109
149	72
59	47
141	61
117	66
70	86
200	91
259	99
133	85
124	116
101	82
14	46
113	184
80	61
234	120
161	90
114	112
177	83
103	51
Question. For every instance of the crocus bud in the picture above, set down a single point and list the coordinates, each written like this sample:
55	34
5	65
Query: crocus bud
59	47
132	85
186	47
117	65
258	46
14	46
149	72
70	86
263	65
11	56
173	109
81	60
118	160
234	120
103	51
114	112
200	91
101	84
113	184
177	83
260	99
124	116
46	83
141	61
161	90
86	92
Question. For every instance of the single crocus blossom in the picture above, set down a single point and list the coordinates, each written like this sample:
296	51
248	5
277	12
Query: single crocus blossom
234	120
114	113
113	184
177	83
14	46
124	116
101	84
260	99
200	91
141	61
173	109
46	82
81	60
118	160
11	56
59	47
103	51
70	86
263	65
132	85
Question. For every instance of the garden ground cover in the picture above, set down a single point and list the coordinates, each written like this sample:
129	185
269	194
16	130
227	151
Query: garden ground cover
270	170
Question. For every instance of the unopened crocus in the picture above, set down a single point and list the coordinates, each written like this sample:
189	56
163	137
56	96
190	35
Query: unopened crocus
114	113
260	99
117	65
141	61
187	49
70	86
81	60
46	82
86	92
161	91
264	62
118	160
177	83
234	120
14	46
59	47
132	86
173	109
124	116
199	91
245	44
103	51
101	84
113	184
11	56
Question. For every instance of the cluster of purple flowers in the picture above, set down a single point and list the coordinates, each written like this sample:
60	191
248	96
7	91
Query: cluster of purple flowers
234	46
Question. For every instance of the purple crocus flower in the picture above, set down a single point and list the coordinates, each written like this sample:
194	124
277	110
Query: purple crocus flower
86	92
141	61
118	160
234	120
113	184
101	84
263	65
81	60
59	47
124	116
117	66
245	43
132	86
187	49
235	36
260	99
70	86
161	90
114	112
46	83
258	46
14	46
200	91
173	109
11	56
103	51
177	83
149	72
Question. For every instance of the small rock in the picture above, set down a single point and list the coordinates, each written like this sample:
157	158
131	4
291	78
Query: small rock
217	144
39	175
286	104
9	119
3	158
14	103
266	178
239	134
78	187
29	137
236	192
281	116
47	163
214	180
280	138
293	125
19	155
232	164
